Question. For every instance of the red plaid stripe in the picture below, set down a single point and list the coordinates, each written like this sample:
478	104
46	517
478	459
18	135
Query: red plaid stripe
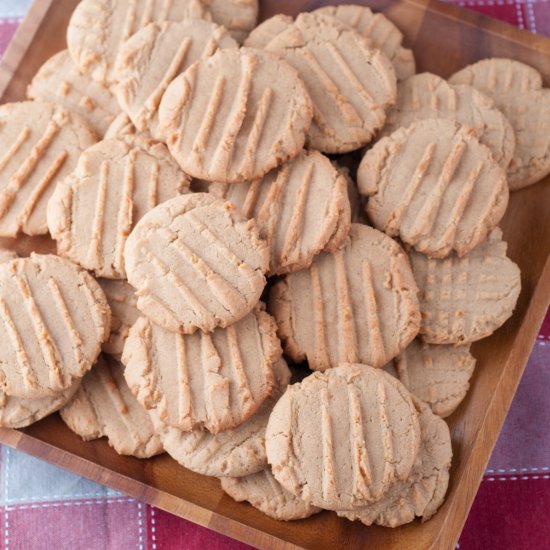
510	510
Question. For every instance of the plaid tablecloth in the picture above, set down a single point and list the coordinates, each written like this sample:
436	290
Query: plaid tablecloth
43	507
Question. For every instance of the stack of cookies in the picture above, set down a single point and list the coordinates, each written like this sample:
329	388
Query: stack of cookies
206	245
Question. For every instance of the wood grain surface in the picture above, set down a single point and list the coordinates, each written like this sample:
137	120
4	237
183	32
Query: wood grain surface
444	39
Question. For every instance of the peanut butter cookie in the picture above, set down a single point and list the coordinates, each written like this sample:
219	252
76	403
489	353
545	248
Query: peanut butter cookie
426	95
341	438
300	208
227	119
98	28
103	406
237	452
439	375
207	380
153	57
40	144
60	82
517	91
465	299
435	186
115	183
266	494
351	85
196	263
53	319
358	304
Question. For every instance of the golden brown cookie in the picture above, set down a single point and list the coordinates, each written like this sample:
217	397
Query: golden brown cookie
39	145
122	300
60	82
153	57
16	412
103	406
424	491
267	30
427	95
115	183
465	299
358	304
196	263
341	438
236	452
266	494
227	119
298	208
517	91
98	28
435	186
380	33
438	375
237	16
53	319
351	85
213	381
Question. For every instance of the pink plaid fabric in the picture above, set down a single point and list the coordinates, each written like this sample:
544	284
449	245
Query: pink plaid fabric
44	507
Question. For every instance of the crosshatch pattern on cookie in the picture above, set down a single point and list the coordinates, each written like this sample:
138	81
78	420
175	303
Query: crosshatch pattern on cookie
465	299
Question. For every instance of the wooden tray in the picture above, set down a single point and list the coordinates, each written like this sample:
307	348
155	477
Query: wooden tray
444	39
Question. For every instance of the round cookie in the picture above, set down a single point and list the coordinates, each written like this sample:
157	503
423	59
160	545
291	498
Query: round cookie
16	412
298	208
358	304
196	263
39	145
98	28
266	494
103	406
497	75
122	300
153	57
267	30
517	91
529	114
438	375
380	33
213	381
227	119
351	85
237	16
115	182
236	452
434	186
53	319
60	82
427	95
424	491
465	299
341	438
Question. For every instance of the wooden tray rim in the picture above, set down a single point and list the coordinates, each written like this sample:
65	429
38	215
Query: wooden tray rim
196	513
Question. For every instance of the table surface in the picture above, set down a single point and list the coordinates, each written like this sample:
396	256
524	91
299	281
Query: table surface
44	507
